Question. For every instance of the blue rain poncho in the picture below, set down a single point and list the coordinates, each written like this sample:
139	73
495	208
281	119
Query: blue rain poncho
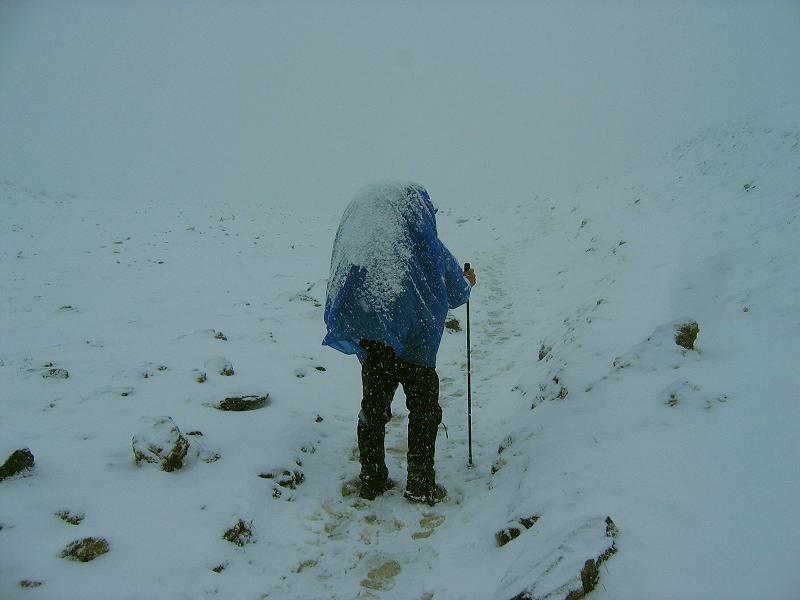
392	280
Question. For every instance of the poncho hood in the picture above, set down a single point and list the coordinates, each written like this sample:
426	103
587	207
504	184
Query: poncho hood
392	280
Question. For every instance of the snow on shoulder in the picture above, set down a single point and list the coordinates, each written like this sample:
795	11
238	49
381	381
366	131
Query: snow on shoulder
378	232
392	279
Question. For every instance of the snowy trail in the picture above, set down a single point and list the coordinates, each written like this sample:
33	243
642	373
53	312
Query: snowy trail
384	546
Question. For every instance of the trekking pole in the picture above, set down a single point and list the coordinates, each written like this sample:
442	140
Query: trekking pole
469	383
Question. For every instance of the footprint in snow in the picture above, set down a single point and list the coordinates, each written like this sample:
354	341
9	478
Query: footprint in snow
381	576
429	523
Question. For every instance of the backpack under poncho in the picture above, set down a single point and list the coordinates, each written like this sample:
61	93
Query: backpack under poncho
392	280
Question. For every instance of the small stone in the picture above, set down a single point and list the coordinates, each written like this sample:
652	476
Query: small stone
20	460
202	378
27	583
220	567
319	419
56	374
528	522
514	530
85	550
220	336
243	403
321	369
507	534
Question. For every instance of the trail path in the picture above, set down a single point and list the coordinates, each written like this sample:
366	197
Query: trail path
380	547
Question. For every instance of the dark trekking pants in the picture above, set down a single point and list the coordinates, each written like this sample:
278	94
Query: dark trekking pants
381	373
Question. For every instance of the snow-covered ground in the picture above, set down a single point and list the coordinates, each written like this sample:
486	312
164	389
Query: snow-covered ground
691	454
584	407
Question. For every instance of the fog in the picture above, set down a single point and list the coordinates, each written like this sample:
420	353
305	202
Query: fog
301	103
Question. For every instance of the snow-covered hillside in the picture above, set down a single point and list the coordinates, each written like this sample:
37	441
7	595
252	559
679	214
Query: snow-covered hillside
585	408
171	178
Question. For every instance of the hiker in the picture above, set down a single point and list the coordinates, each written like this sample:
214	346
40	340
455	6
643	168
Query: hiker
391	283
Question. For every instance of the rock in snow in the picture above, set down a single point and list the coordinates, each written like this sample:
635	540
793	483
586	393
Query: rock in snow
19	461
241	403
162	443
557	572
54	373
687	334
514	529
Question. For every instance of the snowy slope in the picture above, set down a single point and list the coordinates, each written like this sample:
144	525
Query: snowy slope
691	453
702	490
171	178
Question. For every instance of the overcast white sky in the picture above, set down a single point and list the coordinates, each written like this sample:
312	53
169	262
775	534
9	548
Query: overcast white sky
302	103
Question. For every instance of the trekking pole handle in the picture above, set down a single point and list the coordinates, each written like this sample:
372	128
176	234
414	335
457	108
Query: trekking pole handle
466	267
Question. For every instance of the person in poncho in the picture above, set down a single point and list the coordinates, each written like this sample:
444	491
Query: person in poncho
391	283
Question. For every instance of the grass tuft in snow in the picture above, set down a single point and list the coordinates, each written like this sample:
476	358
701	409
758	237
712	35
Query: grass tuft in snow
240	534
85	550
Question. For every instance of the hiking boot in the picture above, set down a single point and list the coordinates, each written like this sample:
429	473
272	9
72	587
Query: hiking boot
431	493
371	489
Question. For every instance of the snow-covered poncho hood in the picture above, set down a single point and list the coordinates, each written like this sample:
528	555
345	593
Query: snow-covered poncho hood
392	280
